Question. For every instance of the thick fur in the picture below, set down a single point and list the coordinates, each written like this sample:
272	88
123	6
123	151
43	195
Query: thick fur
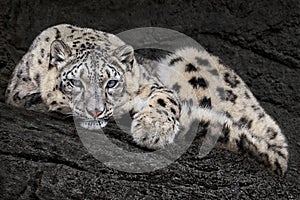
162	96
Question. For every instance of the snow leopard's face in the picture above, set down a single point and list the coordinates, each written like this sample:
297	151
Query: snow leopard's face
93	81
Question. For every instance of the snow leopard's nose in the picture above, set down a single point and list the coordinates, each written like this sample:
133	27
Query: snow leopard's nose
95	113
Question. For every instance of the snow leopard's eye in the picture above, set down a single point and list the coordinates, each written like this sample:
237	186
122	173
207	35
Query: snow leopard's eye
111	83
76	83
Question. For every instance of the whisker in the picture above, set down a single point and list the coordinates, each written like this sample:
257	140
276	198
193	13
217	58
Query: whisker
67	116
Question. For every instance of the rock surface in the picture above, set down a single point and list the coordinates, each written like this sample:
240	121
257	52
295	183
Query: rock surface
42	157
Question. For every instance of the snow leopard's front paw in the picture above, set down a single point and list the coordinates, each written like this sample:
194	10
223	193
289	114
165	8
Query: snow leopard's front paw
153	130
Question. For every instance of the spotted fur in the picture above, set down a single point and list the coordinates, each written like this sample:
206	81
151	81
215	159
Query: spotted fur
95	75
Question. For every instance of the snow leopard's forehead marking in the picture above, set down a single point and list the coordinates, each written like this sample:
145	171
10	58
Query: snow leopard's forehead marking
94	65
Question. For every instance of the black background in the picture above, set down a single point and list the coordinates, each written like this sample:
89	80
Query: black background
41	157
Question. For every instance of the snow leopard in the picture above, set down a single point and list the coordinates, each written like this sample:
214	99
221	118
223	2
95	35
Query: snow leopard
94	74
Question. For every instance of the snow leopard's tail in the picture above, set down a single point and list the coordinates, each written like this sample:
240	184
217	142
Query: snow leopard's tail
271	151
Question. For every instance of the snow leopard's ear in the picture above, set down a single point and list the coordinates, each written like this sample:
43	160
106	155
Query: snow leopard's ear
125	54
59	52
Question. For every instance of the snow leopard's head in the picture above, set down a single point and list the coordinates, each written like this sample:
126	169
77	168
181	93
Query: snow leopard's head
93	80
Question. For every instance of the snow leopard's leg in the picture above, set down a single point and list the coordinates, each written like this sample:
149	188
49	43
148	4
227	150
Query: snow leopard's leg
270	151
23	90
155	117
